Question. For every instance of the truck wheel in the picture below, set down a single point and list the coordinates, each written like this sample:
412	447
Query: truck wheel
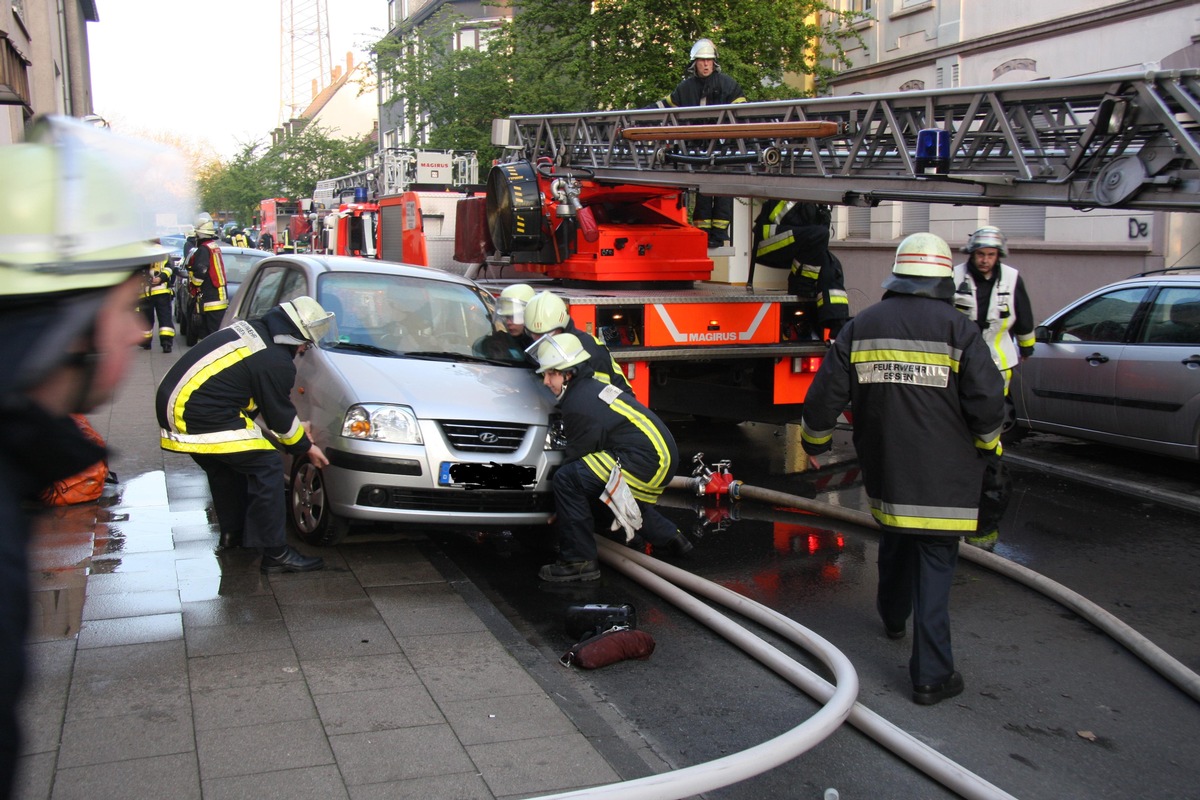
308	507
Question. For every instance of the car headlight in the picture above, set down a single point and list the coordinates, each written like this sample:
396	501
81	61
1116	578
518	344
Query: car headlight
556	438
382	423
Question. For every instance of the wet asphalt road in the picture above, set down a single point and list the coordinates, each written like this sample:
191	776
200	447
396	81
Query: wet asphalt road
1053	708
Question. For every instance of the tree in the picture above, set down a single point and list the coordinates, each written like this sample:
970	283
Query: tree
573	56
290	169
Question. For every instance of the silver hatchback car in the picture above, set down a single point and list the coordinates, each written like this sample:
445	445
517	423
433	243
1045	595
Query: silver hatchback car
1121	366
430	414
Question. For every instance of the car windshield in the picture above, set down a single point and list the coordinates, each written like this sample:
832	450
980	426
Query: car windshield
390	315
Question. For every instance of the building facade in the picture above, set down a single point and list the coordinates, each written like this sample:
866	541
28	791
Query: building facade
933	44
44	62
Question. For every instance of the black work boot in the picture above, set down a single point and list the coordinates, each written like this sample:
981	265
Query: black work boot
146	345
565	571
166	345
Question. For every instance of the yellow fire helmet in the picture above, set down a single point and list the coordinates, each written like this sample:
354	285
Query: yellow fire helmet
82	207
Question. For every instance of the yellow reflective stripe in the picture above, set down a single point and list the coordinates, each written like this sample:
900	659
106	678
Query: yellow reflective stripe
248	343
655	436
600	464
918	517
904	357
775	242
781	208
215	448
217	305
810	271
1026	340
294	433
815	437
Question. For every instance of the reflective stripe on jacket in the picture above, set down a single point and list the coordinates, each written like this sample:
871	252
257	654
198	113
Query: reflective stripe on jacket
206	401
1004	315
927	404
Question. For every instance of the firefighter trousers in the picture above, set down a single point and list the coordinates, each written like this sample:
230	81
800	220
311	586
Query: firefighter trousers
248	495
915	574
575	489
713	215
161	306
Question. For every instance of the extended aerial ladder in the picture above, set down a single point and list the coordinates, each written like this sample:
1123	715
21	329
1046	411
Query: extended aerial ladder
1127	140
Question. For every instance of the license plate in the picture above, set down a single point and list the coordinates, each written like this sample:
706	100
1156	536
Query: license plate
486	476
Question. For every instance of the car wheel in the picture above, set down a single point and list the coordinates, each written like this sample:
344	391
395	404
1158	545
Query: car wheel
308	507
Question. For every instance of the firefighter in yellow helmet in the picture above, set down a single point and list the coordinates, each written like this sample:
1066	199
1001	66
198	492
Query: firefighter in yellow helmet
928	406
547	313
205	406
704	84
610	436
77	212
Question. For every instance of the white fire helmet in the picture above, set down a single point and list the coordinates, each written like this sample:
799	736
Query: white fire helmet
513	301
704	48
314	322
546	312
560	351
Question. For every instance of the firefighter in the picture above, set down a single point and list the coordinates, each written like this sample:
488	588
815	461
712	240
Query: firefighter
69	285
240	239
704	84
928	405
206	269
546	314
205	404
992	294
795	236
158	300
513	302
605	428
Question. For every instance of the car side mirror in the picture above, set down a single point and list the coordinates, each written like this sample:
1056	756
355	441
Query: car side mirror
1042	334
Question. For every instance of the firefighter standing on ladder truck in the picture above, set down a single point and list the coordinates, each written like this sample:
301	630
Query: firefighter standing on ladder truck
705	85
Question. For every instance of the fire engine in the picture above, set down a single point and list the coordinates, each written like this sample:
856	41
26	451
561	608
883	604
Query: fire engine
284	226
378	212
595	205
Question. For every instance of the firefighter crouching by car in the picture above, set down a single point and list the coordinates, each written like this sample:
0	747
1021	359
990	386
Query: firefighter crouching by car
207	284
205	406
610	436
76	230
158	300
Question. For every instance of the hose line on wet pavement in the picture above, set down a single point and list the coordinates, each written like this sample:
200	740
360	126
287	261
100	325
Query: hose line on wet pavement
839	701
1165	664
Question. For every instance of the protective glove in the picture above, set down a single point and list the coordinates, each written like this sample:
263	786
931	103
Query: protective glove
620	500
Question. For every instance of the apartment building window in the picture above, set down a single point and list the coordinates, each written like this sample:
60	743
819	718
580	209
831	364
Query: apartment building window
14	76
914	218
1019	222
858	222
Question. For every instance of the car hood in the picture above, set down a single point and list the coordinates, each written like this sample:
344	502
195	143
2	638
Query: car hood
446	389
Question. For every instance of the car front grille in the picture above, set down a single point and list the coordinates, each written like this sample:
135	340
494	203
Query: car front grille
456	500
483	437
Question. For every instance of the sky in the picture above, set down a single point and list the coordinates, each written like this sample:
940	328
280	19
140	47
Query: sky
206	72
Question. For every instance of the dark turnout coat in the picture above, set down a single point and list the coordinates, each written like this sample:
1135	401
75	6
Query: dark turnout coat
927	406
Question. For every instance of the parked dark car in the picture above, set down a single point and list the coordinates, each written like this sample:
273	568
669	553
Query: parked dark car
1121	366
238	261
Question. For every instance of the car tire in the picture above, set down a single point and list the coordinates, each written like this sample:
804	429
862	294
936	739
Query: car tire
308	507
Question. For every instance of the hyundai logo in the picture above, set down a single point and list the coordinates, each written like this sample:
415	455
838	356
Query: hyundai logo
487	437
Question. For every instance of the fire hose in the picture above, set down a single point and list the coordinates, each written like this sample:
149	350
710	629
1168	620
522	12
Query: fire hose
1165	664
